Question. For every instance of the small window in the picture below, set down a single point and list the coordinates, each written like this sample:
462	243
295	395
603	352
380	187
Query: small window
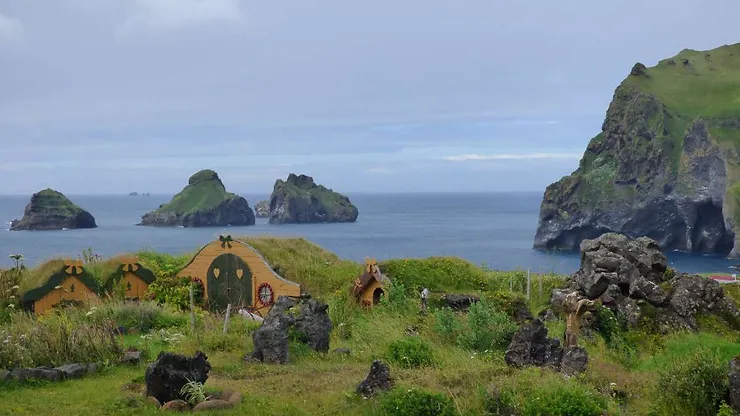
265	294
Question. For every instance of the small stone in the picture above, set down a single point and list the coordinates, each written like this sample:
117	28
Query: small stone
19	374
216	404
5	375
151	400
342	351
176	406
92	368
235	398
131	357
72	370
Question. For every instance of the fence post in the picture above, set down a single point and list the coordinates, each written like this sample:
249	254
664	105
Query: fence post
226	320
529	284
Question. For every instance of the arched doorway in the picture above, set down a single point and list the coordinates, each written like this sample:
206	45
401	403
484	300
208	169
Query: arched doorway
377	293
229	281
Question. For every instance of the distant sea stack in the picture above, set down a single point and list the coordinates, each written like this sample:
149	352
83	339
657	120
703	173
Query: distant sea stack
204	202
300	200
51	210
262	209
666	164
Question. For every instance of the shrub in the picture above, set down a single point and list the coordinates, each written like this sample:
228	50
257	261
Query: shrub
415	402
725	410
436	273
163	265
143	316
397	299
410	353
692	385
175	291
487	327
565	401
447	324
56	339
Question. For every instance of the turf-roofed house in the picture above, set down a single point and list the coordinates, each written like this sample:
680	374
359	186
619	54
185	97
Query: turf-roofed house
71	285
131	278
233	272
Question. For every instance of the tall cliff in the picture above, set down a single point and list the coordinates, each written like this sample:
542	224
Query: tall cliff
666	164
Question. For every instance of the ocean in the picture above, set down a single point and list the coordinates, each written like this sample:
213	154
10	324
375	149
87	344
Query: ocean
496	230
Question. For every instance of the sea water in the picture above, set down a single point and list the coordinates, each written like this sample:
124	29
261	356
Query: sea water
495	229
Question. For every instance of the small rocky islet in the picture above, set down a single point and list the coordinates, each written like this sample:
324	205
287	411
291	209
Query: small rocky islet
300	200
665	164
51	210
203	202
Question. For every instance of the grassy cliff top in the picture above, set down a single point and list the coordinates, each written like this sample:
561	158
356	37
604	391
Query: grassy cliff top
204	191
49	200
303	186
695	83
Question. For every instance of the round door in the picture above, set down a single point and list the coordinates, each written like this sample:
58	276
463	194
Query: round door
229	281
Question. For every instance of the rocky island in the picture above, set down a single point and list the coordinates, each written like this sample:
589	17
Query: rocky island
204	202
51	210
262	209
666	164
300	200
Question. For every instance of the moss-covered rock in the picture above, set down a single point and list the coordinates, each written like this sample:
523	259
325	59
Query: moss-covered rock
204	202
51	210
666	164
300	200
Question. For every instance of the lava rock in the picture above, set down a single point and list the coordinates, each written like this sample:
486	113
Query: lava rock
271	338
313	324
377	381
575	361
531	346
166	376
735	384
73	370
459	302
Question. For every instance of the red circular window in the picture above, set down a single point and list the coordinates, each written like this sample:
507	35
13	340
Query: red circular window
265	294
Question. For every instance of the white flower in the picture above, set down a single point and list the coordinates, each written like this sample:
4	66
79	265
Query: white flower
16	287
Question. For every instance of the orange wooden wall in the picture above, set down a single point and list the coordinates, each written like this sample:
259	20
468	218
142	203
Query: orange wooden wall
138	286
367	294
261	271
54	297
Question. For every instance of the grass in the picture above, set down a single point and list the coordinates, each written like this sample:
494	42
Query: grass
203	192
474	379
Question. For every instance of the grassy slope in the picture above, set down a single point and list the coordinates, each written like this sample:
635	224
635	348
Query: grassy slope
198	197
316	384
54	202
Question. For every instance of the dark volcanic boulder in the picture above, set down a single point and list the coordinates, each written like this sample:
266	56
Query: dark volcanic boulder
51	210
694	294
166	376
575	360
308	317
262	209
204	202
271	338
531	346
300	200
313	324
659	166
378	380
459	302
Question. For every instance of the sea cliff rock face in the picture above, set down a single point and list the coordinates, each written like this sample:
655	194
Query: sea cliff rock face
301	200
51	210
262	209
664	166
204	202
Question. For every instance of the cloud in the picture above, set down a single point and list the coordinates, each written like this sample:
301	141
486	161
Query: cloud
523	156
11	29
170	15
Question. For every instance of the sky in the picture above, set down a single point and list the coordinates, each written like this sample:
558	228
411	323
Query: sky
113	96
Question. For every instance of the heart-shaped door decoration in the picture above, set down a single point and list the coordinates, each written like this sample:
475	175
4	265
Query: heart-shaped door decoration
239	273
216	272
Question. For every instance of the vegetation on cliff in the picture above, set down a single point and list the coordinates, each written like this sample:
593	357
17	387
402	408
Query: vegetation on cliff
203	202
51	210
300	200
666	164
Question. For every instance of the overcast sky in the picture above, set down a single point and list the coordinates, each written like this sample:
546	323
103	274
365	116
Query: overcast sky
112	96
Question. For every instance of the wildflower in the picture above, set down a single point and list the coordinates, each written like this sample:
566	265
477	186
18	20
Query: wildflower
11	306
16	287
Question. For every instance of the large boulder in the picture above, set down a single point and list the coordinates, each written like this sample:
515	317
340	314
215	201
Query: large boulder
262	209
300	200
694	294
378	380
309	319
531	346
271	338
166	376
459	302
204	202
51	210
313	324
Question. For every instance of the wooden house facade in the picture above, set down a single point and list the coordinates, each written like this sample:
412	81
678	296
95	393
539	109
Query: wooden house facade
70	285
133	278
233	272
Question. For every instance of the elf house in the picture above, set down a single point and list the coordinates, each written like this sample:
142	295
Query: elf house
371	285
70	285
234	273
131	277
